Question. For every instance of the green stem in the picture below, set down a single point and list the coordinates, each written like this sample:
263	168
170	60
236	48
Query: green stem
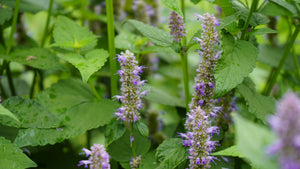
296	62
47	24
10	81
286	53
252	9
13	27
5	64
111	45
33	84
94	89
132	143
185	63
185	80
82	9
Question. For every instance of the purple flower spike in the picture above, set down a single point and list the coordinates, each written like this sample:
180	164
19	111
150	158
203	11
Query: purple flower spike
130	88
198	124
286	124
135	162
177	27
98	158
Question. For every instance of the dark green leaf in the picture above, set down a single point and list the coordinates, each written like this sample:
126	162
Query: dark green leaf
114	131
30	113
157	36
227	21
173	5
78	119
171	153
63	95
39	58
273	9
195	1
13	157
148	161
262	31
236	62
68	34
142	145
256	19
5	112
142	128
261	106
5	14
252	141
92	62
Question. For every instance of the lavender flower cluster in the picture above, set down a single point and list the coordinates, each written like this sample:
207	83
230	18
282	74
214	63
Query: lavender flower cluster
199	129
98	158
130	88
286	124
177	27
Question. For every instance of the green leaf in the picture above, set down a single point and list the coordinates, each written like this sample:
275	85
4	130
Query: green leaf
226	6
5	14
256	19
142	128
252	141
171	153
173	5
5	112
159	96
142	145
31	6
148	161
227	21
285	5
262	31
195	1
91	63
236	62
272	56
30	113
230	151
13	157
78	119
39	58
273	9
68	34
114	131
157	36
63	95
261	106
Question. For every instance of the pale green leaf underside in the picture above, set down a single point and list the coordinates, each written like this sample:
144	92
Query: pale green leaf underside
230	151
237	60
157	36
91	63
13	157
252	141
5	112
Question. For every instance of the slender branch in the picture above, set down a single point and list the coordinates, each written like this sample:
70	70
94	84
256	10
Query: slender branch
132	143
252	9
111	45
290	43
47	24
10	81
